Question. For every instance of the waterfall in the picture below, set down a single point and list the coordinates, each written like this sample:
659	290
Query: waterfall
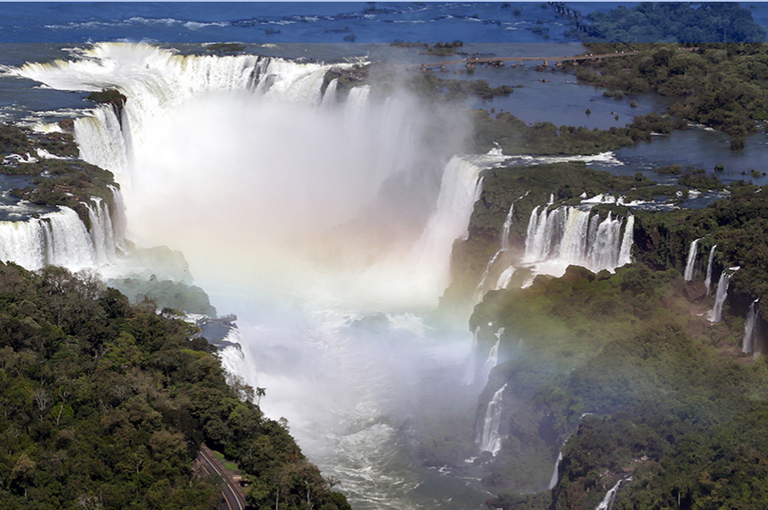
119	221
488	267
625	253
488	433
60	238
247	136
607	501
505	246
505	228
567	235
751	329
505	278
158	81
493	356
57	238
691	260
470	367
102	233
708	280
716	314
460	188
555	474
329	98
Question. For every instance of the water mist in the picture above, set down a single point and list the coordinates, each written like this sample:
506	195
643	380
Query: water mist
323	219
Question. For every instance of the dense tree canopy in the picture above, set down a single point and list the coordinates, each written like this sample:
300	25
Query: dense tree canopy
104	405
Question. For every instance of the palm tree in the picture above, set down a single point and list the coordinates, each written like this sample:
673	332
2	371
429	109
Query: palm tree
260	392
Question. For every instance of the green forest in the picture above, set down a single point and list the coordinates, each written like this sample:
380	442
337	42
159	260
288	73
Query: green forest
105	404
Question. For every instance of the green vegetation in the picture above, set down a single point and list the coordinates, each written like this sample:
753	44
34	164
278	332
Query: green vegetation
566	324
15	140
106	404
720	85
683	421
111	97
346	79
527	187
669	398
225	47
443	49
65	183
57	182
165	293
515	137
674	22
429	84
627	348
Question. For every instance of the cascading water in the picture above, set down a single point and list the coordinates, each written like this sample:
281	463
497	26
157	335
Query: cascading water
505	278
117	214
493	355
60	238
556	473
102	233
471	362
751	329
264	184
505	246
688	275
567	235
716	314
488	437
460	189
610	496
487	271
329	97
708	280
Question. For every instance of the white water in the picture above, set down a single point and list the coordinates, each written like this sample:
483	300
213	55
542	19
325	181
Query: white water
610	496
505	228
470	363
716	314
460	189
751	328
488	437
556	474
567	236
60	238
263	169
688	275
493	356
708	280
504	247
505	278
486	272
269	188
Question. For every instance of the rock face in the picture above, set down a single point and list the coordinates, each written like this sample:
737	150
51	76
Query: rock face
695	291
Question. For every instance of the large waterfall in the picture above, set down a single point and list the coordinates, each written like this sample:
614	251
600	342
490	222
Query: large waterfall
568	235
61	238
267	174
488	436
688	275
269	184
